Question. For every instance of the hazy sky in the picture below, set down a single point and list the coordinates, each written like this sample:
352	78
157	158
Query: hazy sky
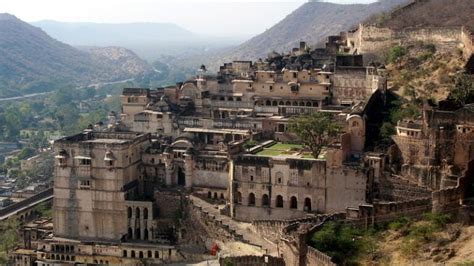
210	17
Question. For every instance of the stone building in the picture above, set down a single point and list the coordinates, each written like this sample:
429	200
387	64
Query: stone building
436	149
119	188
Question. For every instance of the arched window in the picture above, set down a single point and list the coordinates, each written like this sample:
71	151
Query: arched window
274	103
209	194
125	253
265	201
308	103
130	233
288	103
137	213
281	103
239	197
355	124
129	212
133	254
279	176
251	199
149	254
157	255
145	234
145	213
268	103
137	233
293	203
279	201
222	195
307	204
140	254
215	195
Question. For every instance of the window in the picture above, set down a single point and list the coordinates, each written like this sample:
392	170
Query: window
307	204
251	199
279	201
265	201
145	213
85	162
137	213
293	203
271	88
251	178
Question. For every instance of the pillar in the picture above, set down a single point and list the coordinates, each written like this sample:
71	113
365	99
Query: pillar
188	169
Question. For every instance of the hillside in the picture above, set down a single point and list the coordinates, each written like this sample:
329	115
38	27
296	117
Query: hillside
32	61
456	13
312	22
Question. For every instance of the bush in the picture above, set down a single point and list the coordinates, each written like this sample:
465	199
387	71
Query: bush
399	223
439	220
396	52
339	241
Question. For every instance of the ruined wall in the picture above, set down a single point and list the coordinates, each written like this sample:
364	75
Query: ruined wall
316	257
252	261
373	41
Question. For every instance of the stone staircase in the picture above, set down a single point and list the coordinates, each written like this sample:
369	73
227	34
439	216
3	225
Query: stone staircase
238	230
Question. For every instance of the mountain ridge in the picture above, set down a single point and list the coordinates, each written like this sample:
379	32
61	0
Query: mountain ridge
312	23
31	61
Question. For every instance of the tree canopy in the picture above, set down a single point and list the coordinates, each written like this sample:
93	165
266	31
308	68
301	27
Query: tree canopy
316	130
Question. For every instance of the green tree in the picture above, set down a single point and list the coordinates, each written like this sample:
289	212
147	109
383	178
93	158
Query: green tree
8	237
316	130
463	91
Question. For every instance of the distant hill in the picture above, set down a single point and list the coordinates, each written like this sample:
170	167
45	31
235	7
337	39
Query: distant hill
313	22
431	13
32	61
148	40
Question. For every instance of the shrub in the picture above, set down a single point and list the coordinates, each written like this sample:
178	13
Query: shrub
396	52
339	241
399	223
439	220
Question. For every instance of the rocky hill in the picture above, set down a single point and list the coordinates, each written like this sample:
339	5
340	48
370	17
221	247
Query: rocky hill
312	22
31	61
430	13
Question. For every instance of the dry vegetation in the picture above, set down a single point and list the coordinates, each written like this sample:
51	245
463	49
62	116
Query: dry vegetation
423	73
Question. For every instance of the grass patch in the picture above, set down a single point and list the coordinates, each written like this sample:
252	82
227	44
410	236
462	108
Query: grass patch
285	146
270	152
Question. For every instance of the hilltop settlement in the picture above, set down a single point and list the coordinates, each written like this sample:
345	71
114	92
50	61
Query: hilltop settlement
251	162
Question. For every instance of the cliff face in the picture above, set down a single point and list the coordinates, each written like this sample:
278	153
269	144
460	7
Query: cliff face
32	61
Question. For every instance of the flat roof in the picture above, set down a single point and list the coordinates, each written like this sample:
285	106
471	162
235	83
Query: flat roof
215	130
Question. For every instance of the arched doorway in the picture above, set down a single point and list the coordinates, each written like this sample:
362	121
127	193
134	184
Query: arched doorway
307	204
293	203
265	201
181	177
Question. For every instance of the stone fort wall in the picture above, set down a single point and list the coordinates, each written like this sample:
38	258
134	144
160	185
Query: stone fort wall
374	41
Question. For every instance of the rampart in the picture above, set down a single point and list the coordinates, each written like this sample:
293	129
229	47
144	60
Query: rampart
273	229
375	41
316	257
252	261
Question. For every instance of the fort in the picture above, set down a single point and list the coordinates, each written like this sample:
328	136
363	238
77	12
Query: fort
212	159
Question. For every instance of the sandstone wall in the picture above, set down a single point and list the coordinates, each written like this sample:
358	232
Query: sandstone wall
252	261
316	257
